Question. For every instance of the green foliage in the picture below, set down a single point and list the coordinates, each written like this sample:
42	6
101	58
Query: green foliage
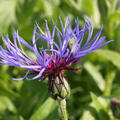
91	9
44	110
7	13
92	87
93	71
112	56
98	109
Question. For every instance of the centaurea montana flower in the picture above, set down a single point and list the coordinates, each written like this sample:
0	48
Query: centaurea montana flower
59	56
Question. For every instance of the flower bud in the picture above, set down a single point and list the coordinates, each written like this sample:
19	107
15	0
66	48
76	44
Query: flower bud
58	87
115	106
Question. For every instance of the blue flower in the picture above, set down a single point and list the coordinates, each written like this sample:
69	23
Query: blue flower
65	47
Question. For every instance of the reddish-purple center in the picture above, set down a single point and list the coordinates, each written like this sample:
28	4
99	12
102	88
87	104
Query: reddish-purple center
56	66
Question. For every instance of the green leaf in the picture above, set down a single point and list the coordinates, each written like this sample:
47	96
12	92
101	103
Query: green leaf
44	110
113	23
94	72
11	116
87	116
6	90
33	94
7	13
48	7
6	103
97	109
98	103
103	9
101	106
91	8
110	55
114	17
111	4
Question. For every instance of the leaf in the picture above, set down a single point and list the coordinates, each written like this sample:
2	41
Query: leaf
48	7
98	103
87	116
110	55
95	74
97	109
6	90
11	116
91	8
103	9
114	17
113	23
44	110
6	103
7	13
33	94
101	105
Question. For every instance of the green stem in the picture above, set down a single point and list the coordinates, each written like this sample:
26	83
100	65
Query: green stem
62	109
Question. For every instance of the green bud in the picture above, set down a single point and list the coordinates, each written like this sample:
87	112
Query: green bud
58	87
115	106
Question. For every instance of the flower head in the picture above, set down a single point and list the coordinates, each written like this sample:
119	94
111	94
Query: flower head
65	47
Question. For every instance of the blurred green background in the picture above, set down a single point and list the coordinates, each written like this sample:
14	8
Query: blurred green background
92	87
